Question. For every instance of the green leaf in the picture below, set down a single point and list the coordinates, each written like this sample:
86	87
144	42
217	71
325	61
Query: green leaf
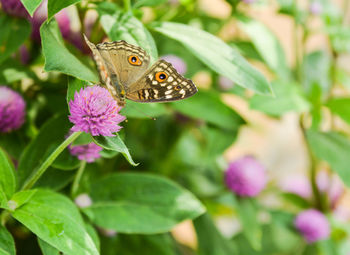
316	71
58	58
7	175
251	227
333	148
84	138
50	135
267	45
162	244
296	200
12	71
137	110
47	249
140	203
340	107
55	179
7	244
74	85
217	55
288	98
31	5
114	143
54	6
14	32
142	3
22	197
64	229
210	241
218	113
124	26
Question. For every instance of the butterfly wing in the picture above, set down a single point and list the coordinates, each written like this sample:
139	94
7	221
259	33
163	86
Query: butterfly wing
162	83
117	71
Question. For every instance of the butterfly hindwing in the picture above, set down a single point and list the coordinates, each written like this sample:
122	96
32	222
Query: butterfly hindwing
161	83
123	69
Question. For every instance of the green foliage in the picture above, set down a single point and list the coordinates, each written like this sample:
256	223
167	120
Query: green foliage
216	54
139	203
333	148
58	58
13	33
64	229
178	151
7	245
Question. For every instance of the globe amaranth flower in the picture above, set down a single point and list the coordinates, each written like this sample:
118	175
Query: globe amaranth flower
94	111
316	8
225	83
312	225
246	177
88	152
83	200
12	110
14	8
177	62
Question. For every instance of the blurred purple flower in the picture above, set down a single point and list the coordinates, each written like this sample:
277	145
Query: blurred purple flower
14	8
12	110
177	62
246	177
331	185
299	185
88	152
63	21
83	200
107	232
24	55
39	16
225	83
249	1
312	225
316	8
94	111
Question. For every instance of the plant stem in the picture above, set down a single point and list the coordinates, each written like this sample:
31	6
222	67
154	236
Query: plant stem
77	178
127	5
319	202
35	177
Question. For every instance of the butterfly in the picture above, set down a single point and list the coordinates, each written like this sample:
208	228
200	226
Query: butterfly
124	70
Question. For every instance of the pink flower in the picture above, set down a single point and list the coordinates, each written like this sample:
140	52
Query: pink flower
94	111
83	200
63	21
225	83
246	177
88	152
297	184
14	8
179	65
312	225
12	110
316	8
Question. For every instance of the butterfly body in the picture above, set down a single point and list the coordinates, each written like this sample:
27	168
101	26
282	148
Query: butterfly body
124	70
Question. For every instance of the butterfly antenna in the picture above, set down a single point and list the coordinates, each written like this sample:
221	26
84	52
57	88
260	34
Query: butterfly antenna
135	108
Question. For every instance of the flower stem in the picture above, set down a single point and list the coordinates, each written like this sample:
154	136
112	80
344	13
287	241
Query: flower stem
77	178
127	5
35	177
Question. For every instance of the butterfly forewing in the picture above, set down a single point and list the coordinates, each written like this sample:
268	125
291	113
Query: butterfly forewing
124	71
150	88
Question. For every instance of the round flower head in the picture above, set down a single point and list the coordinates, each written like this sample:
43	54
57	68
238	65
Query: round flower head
316	8
63	21
312	225
88	152
225	83
94	111
297	184
246	177
12	110
14	8
179	65
83	200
